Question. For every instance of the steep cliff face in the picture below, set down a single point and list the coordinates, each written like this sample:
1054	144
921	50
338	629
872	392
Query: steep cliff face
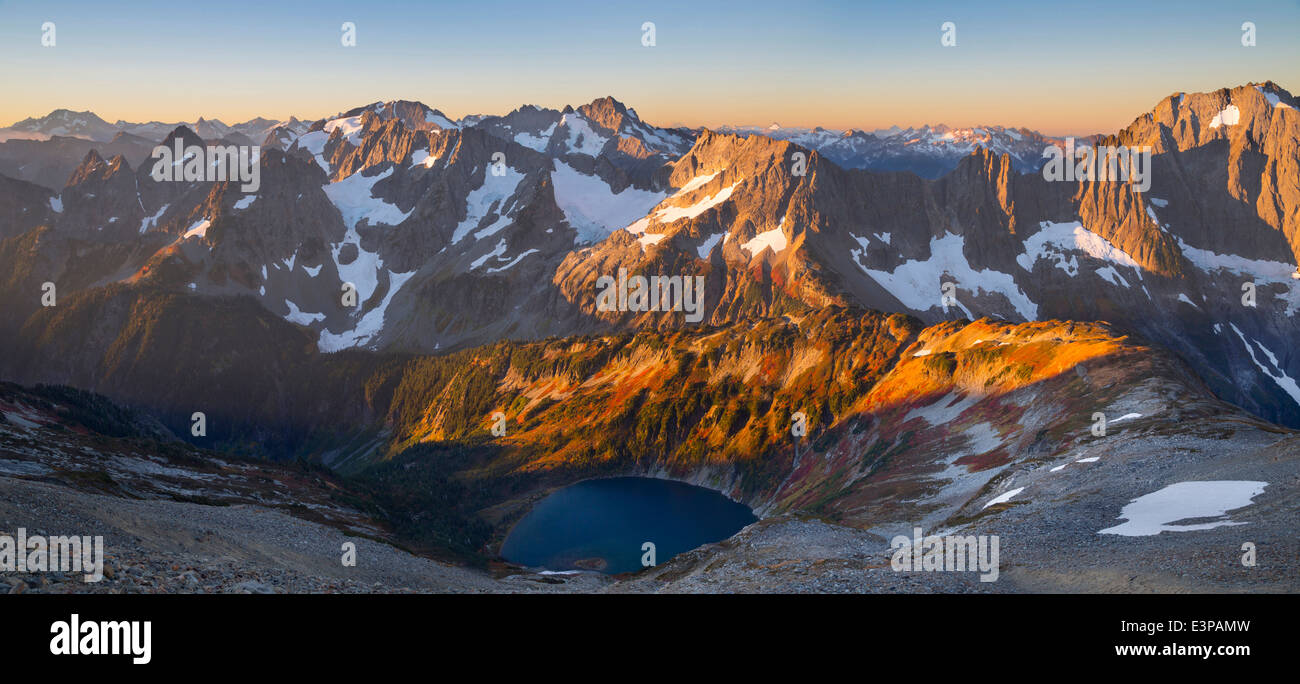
1229	167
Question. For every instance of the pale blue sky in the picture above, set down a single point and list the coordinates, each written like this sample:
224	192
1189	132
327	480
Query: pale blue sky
1061	68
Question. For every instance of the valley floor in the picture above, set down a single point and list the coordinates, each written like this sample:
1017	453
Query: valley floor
155	546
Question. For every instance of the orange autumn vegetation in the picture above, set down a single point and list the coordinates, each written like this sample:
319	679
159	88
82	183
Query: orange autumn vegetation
681	400
989	357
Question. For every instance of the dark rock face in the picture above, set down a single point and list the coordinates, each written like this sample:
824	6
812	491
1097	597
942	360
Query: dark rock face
23	206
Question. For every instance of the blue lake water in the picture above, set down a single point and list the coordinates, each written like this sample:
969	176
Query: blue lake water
602	524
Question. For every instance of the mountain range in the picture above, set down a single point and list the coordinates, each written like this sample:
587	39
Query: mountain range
948	318
448	248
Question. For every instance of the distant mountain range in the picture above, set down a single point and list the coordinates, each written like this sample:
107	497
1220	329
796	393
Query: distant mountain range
88	126
928	151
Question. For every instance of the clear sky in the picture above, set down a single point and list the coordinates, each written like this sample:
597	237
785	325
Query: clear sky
1056	67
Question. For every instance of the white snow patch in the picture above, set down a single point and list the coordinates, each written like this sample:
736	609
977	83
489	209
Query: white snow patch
492	195
496	252
296	316
1229	116
199	229
423	158
370	325
355	200
351	127
1003	497
915	283
1054	239
314	143
23	468
1272	98
706	247
150	221
696	182
1153	513
245	202
513	262
592	208
638	226
441	121
352	196
1274	272
24	422
1281	378
1109	274
671	214
582	138
1286	382
651	239
535	142
773	239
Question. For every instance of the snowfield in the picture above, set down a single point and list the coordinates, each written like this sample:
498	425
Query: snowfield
1155	512
772	239
917	283
353	196
592	208
1054	240
490	197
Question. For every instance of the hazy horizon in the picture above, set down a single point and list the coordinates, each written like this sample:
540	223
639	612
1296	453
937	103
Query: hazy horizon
833	64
